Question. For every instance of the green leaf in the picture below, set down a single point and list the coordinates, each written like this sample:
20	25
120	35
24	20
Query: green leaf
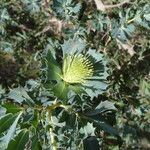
91	143
32	6
97	83
4	15
101	108
6	121
6	46
35	120
147	17
35	143
31	85
4	141
53	71
20	141
55	122
107	128
142	23
60	90
100	21
103	125
88	130
12	108
66	9
72	46
19	95
2	111
2	91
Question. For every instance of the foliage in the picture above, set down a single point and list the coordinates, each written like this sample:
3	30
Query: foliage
73	77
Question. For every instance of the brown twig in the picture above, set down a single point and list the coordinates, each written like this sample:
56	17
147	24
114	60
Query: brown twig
118	5
101	6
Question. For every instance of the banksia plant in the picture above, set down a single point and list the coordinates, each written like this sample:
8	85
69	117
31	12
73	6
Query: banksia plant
54	93
82	71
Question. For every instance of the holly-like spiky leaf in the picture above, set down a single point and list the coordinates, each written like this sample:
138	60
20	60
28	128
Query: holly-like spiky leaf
88	130
19	95
4	141
66	9
20	141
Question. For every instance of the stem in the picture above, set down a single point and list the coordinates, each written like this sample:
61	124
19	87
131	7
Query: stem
135	17
52	137
101	6
129	21
53	142
118	5
52	107
49	110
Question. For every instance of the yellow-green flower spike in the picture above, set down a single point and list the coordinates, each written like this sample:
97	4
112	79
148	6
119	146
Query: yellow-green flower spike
77	69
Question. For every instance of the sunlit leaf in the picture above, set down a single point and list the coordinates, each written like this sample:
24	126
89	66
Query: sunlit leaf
20	141
4	141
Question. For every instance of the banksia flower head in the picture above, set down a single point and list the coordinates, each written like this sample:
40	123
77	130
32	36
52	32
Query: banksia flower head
77	69
82	71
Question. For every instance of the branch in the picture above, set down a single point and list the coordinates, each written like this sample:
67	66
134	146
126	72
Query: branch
100	5
118	5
